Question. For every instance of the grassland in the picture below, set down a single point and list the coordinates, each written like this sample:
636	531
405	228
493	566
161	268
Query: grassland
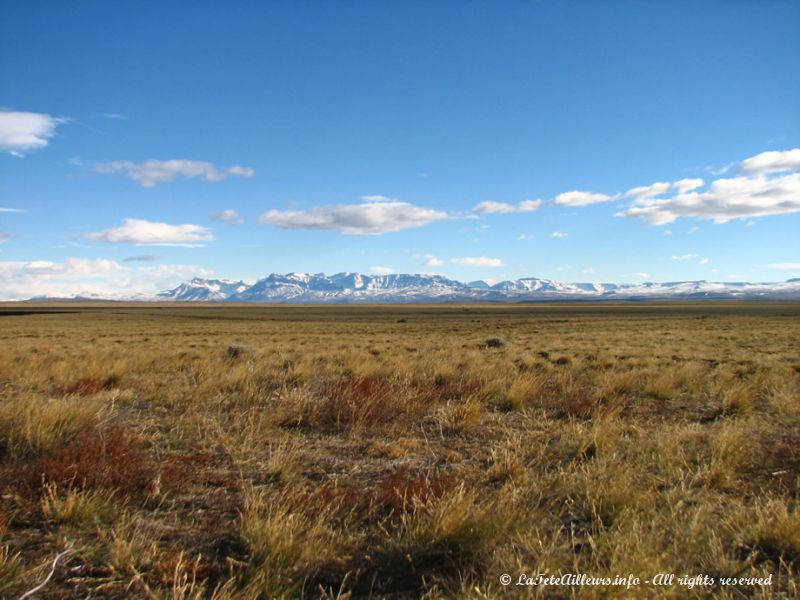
265	452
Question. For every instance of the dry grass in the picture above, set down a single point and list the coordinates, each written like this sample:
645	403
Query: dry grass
281	452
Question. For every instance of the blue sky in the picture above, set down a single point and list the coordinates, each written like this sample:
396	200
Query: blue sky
143	143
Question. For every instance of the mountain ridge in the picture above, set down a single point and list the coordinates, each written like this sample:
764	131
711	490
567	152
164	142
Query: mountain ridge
353	287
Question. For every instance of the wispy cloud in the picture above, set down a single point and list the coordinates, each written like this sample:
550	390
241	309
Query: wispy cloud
11	210
142	258
478	261
153	172
375	216
7	236
111	116
684	256
558	234
227	216
147	233
490	206
785	266
21	132
757	192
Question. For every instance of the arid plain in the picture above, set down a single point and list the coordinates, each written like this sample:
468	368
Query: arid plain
196	451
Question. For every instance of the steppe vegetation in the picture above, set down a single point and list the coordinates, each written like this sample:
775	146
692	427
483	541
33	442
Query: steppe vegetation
270	452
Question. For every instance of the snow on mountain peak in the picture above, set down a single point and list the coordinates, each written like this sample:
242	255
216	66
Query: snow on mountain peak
349	287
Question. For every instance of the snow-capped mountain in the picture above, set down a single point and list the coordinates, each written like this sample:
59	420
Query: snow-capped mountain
204	289
359	288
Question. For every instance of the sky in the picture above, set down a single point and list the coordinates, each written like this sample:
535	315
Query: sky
144	143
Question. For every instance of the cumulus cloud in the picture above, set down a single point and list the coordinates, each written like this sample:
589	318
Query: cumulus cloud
769	184
24	131
686	185
148	233
772	162
478	261
227	216
152	172
381	270
372	217
83	276
490	206
662	187
432	261
579	198
654	189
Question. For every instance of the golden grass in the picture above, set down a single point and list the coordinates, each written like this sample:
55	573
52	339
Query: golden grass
390	452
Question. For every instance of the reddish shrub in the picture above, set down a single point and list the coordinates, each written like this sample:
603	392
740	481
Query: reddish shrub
396	492
98	458
402	488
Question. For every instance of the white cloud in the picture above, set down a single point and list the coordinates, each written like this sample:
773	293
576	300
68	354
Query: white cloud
590	270
646	191
490	206
228	216
686	185
643	275
683	256
6	236
478	261
148	233
662	187
703	261
23	131
772	162
381	270
108	278
559	234
579	198
785	266
142	258
754	194
372	217
432	261
152	172
238	171
11	210
692	230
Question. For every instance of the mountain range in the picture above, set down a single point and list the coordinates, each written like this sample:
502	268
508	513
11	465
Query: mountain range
343	288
